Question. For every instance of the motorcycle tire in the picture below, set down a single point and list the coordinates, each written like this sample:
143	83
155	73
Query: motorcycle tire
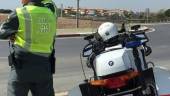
152	90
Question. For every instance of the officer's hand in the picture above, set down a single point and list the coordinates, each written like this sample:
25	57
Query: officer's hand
12	38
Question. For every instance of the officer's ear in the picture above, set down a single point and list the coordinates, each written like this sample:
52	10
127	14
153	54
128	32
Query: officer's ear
24	2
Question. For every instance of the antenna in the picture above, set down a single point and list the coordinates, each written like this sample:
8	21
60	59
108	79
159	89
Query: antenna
84	74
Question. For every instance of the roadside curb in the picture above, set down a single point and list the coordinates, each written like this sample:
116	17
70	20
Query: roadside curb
73	34
77	34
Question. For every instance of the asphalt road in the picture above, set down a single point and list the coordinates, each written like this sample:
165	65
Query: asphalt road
68	67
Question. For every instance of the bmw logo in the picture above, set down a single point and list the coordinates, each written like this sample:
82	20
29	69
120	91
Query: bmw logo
111	63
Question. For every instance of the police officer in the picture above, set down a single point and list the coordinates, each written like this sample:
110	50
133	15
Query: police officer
33	29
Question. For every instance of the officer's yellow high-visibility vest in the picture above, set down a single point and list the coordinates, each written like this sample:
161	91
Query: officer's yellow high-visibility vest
37	29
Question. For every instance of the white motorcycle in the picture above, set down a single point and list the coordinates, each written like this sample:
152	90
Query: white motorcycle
121	69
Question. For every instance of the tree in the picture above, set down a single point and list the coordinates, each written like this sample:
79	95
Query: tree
126	14
167	13
161	15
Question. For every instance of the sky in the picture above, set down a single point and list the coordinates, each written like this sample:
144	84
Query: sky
134	5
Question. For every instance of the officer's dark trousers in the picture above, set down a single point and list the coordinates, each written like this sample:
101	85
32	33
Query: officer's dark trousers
30	75
16	88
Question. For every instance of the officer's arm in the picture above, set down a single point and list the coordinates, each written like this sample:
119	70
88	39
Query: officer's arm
52	6
9	27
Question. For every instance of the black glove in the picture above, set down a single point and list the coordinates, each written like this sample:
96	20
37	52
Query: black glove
52	61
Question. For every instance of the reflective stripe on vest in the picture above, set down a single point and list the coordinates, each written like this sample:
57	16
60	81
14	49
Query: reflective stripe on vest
27	28
37	29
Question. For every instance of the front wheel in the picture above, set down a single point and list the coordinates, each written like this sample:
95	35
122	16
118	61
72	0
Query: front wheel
149	91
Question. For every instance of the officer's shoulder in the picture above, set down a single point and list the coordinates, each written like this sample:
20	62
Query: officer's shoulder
13	14
50	6
19	9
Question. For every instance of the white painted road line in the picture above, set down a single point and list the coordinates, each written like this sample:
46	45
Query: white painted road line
62	94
